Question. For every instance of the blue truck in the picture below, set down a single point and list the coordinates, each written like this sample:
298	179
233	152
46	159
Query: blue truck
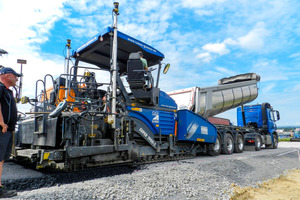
107	109
261	118
256	127
256	124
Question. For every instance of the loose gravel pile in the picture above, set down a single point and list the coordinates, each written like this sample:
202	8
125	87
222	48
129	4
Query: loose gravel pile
199	178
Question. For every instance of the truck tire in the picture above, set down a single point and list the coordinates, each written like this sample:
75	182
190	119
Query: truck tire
275	143
228	146
239	145
215	149
258	143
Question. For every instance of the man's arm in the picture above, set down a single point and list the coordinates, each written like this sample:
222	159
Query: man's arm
4	126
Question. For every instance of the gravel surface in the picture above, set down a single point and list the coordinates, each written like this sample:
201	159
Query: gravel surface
203	177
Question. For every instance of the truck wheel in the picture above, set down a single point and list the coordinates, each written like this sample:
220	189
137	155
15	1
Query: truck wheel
239	145
275	143
257	143
215	149
228	146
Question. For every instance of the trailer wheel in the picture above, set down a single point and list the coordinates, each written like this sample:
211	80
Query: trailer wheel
257	143
228	145
215	149
239	145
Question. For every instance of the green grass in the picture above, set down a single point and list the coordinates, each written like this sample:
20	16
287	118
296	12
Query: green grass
284	140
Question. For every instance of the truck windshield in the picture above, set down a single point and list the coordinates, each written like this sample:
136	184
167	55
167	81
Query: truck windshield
271	115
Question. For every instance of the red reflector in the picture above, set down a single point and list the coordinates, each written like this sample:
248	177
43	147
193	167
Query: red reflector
250	141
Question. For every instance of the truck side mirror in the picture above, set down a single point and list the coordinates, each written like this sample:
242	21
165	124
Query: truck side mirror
277	115
166	68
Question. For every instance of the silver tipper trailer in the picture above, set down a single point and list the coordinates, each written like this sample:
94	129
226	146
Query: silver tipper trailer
231	92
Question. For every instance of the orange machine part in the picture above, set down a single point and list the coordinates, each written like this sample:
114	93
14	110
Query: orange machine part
175	129
47	94
61	96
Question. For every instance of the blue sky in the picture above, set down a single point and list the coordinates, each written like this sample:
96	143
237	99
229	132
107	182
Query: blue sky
203	40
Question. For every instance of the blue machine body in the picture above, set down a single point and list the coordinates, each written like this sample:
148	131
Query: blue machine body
193	127
157	119
261	115
190	127
165	101
162	118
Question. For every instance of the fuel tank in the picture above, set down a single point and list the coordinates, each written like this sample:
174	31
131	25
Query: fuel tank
230	93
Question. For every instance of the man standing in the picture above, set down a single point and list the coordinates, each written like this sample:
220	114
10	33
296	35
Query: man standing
8	120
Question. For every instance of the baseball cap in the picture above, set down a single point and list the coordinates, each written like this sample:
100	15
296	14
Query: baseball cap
141	53
7	70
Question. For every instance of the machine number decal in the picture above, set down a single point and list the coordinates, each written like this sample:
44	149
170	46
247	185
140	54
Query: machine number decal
147	137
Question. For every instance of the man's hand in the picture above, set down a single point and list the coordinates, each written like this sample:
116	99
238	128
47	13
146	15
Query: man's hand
4	127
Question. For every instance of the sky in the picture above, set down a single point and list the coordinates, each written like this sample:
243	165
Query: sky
203	41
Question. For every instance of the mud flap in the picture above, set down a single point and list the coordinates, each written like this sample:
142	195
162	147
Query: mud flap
250	141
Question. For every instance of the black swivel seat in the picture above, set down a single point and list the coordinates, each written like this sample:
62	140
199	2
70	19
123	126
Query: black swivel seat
136	79
135	72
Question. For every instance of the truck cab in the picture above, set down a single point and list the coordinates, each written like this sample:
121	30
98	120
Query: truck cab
258	116
261	118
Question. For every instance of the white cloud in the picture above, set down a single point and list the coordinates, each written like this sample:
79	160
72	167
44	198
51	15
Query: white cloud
204	12
24	28
268	88
225	71
254	40
148	6
294	88
202	7
208	50
28	23
200	3
88	6
230	41
269	70
77	22
218	48
295	55
205	57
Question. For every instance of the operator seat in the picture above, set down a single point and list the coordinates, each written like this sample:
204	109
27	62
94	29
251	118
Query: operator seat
135	72
136	79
